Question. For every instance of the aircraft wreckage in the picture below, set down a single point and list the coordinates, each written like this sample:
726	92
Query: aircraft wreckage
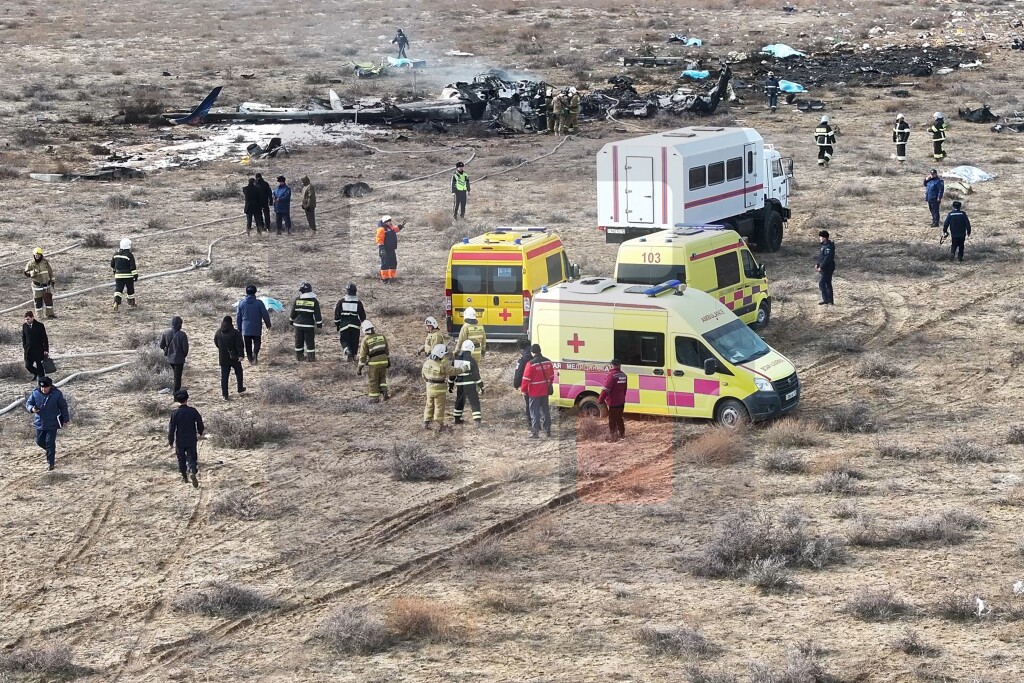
490	97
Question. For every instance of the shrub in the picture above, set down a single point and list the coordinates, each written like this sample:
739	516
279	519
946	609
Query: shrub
793	433
961	452
836	482
695	674
278	392
235	276
223	599
1016	435
46	662
856	418
410	462
13	370
214	193
948	528
403	365
508	602
9	173
237	503
486	553
509	160
246	432
877	366
784	463
717	446
910	643
882	605
8	336
397	174
456	232
959	605
678	640
895	451
420	619
121	202
157	224
354	630
439	220
798	667
151	407
95	240
844	343
135	339
142	379
770	574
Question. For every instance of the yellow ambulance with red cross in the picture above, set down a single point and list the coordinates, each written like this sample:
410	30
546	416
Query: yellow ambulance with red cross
497	273
685	354
710	258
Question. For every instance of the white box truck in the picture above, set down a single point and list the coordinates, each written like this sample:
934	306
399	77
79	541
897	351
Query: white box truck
697	175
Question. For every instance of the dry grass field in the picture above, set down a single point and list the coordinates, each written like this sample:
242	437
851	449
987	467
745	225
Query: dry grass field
332	540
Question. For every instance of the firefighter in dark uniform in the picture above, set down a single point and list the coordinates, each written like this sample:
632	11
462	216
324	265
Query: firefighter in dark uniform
348	316
305	318
468	385
826	266
938	132
825	137
900	135
958	228
125	273
771	90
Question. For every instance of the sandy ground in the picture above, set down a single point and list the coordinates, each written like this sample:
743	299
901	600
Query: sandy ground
590	542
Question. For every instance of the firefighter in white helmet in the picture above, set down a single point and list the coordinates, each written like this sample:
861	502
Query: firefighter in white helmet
434	337
373	353
437	371
471	329
900	135
468	384
938	132
125	273
825	138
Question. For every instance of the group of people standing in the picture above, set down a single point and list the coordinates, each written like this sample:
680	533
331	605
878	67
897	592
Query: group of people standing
260	199
560	111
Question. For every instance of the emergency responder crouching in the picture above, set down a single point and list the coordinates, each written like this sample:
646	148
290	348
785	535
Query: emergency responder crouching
434	337
125	273
474	331
958	228
825	138
468	385
305	318
436	373
373	353
43	280
771	91
349	314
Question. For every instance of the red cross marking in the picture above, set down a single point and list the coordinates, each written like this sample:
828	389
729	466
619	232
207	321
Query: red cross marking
504	315
576	343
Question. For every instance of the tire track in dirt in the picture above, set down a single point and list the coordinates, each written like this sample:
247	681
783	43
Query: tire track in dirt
87	536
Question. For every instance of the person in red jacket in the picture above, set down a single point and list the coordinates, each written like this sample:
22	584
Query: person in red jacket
614	396
538	380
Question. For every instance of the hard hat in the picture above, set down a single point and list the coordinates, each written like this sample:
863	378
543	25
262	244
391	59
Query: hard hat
126	243
430	321
39	250
824	119
305	287
468	345
385	218
367	326
351	289
899	117
572	90
438	351
937	115
469	313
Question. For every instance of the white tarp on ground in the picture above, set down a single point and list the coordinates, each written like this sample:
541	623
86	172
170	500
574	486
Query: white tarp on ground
781	51
970	174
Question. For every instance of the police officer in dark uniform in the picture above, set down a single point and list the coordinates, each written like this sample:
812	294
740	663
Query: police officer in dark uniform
825	267
958	228
771	90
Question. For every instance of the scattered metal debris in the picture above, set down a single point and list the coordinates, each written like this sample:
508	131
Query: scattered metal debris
869	67
622	99
356	189
980	115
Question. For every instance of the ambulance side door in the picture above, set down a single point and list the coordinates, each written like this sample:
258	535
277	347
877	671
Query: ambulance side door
695	393
638	340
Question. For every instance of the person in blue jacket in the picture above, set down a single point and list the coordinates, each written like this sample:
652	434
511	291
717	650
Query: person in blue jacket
283	205
252	316
934	188
50	408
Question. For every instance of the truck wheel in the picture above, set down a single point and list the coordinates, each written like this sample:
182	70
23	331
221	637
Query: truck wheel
764	314
771	233
588	406
731	414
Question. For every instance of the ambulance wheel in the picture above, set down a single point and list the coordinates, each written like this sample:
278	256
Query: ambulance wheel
764	314
731	414
771	233
588	407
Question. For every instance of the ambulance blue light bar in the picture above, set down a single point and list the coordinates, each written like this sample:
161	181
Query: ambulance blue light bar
662	288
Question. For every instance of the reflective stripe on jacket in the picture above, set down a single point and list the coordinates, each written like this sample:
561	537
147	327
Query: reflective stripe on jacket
374	350
539	374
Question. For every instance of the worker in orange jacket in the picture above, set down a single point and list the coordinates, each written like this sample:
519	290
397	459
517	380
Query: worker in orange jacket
387	248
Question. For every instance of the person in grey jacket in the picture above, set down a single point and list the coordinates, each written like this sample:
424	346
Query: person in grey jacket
50	408
174	344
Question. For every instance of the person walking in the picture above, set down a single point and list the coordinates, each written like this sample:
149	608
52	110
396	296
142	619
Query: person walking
825	138
436	372
349	314
126	274
402	41
434	337
538	385
306	319
309	202
387	248
460	190
265	199
517	378
826	266
474	331
36	345
573	112
938	133
228	341
934	189
373	353
43	281
613	395
283	205
253	210
183	434
958	227
468	385
174	344
252	315
900	136
50	408
771	91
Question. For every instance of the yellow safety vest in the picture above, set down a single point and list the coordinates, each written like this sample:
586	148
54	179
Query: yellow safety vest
461	181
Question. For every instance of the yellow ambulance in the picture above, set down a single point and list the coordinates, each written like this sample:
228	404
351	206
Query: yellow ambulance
710	258
497	274
685	353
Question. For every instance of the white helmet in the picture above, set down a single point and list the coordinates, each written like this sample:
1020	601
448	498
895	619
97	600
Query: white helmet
899	117
431	321
824	119
367	326
938	115
468	345
385	218
469	313
438	351
126	243
572	90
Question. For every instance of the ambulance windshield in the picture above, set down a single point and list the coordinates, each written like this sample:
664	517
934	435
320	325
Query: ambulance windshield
736	342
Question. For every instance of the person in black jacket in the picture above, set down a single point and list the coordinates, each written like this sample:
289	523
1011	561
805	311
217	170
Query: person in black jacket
826	266
349	315
958	228
36	345
174	344
253	208
517	380
230	350
265	199
126	273
183	434
468	385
